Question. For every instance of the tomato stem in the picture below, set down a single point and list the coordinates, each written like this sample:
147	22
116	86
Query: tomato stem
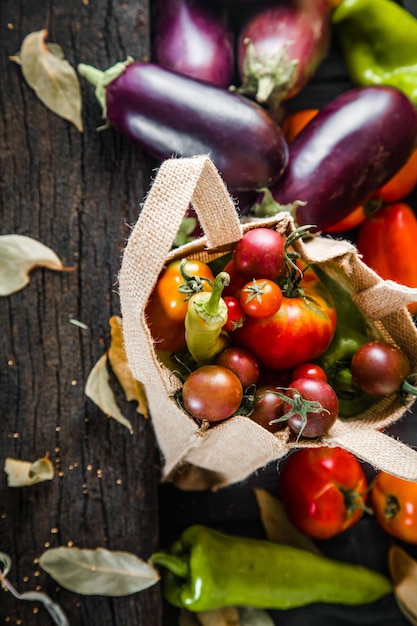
191	284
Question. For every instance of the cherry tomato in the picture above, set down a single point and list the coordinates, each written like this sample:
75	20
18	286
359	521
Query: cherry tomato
387	243
235	314
212	393
312	407
309	370
394	504
260	253
268	407
167	306
242	363
379	368
323	490
402	183
300	331
294	122
260	298
237	281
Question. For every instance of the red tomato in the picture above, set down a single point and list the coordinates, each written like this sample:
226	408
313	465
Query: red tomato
260	298
309	370
268	407
394	503
242	363
235	314
312	407
260	253
237	281
402	183
323	490
300	331
387	242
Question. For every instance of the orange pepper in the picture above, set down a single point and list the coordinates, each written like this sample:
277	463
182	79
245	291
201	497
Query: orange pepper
394	503
402	183
295	122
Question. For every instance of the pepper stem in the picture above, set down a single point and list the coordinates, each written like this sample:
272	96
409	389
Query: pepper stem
175	564
208	309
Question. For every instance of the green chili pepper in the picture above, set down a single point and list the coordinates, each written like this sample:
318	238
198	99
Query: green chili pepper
351	333
206	315
379	43
207	569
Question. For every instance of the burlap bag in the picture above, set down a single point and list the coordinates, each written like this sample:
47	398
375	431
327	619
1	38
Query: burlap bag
201	456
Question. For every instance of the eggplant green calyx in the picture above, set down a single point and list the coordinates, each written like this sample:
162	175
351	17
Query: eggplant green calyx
267	206
100	79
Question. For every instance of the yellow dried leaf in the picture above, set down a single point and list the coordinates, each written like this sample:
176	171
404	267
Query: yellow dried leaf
277	526
98	389
19	255
53	79
403	571
227	616
24	473
132	388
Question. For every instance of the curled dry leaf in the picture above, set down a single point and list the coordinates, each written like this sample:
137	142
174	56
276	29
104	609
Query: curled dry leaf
403	571
53	79
98	389
277	526
226	616
25	474
132	388
254	617
98	572
19	255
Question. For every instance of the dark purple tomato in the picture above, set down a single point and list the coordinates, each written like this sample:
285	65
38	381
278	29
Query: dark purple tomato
260	253
242	363
268	407
212	393
314	407
379	368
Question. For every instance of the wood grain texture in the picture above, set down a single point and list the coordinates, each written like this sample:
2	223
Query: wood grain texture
77	193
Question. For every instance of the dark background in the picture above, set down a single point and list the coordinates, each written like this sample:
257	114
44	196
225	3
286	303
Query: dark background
79	194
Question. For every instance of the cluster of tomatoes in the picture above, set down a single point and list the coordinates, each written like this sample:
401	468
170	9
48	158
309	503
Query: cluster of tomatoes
325	491
280	318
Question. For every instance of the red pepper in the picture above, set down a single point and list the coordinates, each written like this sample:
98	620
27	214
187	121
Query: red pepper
387	241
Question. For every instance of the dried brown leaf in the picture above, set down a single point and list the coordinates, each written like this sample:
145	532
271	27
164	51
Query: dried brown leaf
19	255
227	616
53	79
403	571
132	388
277	526
99	390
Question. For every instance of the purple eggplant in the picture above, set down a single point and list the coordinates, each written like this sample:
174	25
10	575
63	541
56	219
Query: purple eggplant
193	38
353	146
280	46
166	113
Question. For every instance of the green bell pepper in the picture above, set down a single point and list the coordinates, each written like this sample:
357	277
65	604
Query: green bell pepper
352	331
379	43
207	569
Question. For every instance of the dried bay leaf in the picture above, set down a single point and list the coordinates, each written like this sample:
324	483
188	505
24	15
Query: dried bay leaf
277	526
254	617
133	389
98	572
403	571
53	79
19	255
226	616
99	390
24	473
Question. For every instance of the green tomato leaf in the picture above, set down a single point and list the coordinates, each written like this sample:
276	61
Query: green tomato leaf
19	255
53	79
25	473
98	572
98	389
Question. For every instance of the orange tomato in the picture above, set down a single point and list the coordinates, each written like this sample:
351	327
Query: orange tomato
402	183
295	122
394	503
